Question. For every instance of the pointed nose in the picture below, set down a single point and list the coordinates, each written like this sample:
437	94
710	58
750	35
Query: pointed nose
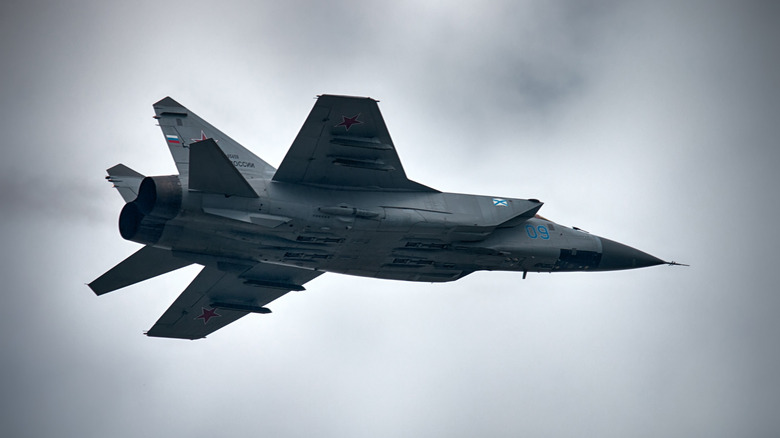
616	256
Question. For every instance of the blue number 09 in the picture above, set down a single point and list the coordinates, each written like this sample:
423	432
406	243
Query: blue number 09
542	232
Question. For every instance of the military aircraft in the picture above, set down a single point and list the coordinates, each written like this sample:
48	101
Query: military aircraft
339	202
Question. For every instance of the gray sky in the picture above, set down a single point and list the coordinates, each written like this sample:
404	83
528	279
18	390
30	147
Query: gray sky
651	123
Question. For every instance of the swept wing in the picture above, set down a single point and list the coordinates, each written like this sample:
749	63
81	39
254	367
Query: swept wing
223	293
344	142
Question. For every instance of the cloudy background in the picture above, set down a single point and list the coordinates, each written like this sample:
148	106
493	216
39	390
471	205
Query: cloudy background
652	123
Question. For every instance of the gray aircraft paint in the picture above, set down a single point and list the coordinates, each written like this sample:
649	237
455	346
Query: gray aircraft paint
340	202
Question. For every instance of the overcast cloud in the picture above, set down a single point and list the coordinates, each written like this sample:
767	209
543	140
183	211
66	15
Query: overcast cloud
652	123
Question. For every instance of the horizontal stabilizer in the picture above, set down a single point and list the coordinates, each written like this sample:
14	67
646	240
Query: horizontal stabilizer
212	171
146	263
125	180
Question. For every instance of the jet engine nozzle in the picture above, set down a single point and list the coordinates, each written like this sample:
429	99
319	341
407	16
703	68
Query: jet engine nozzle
160	196
159	200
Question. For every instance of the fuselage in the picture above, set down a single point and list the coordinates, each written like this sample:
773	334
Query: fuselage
340	201
414	236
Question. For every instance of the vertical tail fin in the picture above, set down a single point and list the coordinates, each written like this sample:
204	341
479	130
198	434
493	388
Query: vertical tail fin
181	127
125	180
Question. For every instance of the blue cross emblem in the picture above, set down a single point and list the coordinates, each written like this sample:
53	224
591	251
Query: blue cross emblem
500	202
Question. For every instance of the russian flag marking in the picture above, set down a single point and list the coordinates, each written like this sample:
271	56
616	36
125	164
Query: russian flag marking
172	139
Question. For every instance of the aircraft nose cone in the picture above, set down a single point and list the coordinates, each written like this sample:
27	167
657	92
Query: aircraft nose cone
615	256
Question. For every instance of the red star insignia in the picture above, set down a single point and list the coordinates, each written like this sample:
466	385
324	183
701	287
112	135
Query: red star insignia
347	122
208	314
202	137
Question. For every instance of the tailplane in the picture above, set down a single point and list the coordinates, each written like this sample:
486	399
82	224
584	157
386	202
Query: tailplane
181	127
148	262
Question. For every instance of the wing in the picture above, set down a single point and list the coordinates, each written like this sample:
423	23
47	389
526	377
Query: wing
223	293
344	142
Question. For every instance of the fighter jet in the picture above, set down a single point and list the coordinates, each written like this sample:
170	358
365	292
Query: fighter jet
339	202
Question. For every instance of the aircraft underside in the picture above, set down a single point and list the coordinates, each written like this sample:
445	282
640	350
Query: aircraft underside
339	202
